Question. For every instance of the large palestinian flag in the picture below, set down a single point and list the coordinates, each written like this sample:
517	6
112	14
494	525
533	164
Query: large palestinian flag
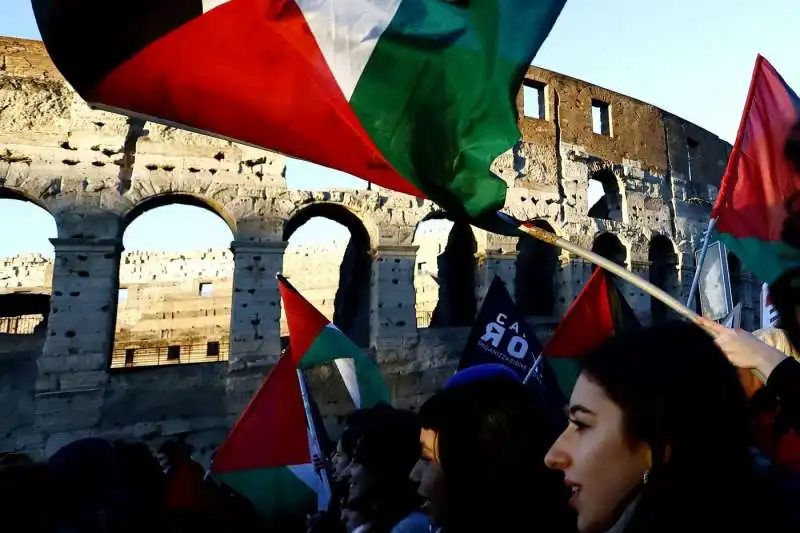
414	95
599	312
315	341
760	190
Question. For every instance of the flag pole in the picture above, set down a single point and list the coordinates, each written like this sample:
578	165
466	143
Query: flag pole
316	448
630	277
699	267
532	371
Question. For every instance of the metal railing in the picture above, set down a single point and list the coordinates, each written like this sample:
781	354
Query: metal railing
131	355
20	325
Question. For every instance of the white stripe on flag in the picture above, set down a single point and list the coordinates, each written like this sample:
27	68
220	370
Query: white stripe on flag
208	5
347	32
347	368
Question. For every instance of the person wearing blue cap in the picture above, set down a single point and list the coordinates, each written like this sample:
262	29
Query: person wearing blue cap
481	372
483	440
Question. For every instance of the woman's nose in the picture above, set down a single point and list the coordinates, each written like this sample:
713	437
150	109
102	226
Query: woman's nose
557	457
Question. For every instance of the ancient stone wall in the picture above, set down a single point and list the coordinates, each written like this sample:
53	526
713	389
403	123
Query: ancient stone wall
95	172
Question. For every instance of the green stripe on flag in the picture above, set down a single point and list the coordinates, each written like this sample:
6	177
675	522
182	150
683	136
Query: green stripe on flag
567	372
274	492
438	94
768	260
332	344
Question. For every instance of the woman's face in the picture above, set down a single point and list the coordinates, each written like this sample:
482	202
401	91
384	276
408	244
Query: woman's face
601	467
340	461
362	481
427	473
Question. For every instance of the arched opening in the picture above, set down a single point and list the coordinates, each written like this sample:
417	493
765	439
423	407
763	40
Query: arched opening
329	260
445	273
26	265
605	199
175	284
663	274
735	274
534	282
610	247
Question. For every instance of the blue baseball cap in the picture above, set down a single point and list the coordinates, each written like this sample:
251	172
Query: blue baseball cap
480	373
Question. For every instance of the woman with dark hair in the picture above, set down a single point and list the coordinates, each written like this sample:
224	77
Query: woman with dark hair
381	493
483	439
334	519
659	440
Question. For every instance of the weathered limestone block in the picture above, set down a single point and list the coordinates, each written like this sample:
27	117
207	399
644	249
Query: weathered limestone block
83	305
255	309
392	310
493	264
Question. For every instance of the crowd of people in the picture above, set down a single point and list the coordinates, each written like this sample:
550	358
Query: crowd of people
657	439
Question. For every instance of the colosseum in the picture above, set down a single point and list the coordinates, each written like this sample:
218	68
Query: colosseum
146	345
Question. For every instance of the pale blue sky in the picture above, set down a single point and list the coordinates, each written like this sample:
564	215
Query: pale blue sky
693	58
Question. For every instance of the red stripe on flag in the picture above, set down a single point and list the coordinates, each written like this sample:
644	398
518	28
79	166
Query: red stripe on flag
304	321
758	179
251	70
272	430
587	323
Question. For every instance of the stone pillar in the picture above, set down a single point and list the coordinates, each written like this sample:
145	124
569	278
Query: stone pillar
73	366
639	300
255	307
392	294
686	276
491	264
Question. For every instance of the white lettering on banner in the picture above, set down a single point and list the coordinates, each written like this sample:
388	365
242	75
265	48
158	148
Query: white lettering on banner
510	361
518	347
494	333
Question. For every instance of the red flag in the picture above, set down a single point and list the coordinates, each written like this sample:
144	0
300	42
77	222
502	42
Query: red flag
597	313
272	430
760	184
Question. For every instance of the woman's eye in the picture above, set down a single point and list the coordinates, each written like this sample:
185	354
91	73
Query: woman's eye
578	424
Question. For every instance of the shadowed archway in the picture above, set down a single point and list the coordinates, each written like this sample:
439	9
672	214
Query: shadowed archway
352	301
534	282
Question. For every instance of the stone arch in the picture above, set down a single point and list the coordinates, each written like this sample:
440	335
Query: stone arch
352	300
7	193
456	272
26	253
534	281
165	199
174	300
663	273
609	205
609	246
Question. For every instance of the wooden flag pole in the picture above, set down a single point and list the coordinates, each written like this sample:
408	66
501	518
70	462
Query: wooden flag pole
630	277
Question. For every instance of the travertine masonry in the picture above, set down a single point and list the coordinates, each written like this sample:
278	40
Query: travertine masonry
95	172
